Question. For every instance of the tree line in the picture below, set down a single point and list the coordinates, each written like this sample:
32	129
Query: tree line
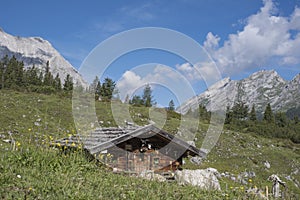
270	124
14	76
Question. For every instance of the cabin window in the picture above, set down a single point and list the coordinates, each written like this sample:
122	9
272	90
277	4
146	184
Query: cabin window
155	162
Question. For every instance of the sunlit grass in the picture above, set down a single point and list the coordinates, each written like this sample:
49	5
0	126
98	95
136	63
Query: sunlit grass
30	168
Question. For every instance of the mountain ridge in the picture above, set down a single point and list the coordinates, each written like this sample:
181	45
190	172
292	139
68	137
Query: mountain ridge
37	51
259	89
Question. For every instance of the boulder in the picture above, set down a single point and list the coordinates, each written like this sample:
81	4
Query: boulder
203	178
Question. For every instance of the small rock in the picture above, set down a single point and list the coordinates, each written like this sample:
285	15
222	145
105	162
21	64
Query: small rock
244	182
37	124
197	160
267	164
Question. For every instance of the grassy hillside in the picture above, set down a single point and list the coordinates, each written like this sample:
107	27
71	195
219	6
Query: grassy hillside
31	169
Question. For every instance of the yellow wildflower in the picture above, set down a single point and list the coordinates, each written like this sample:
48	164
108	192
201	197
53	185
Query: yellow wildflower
250	180
18	144
58	144
73	144
29	129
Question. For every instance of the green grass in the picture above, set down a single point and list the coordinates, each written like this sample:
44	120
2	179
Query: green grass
47	173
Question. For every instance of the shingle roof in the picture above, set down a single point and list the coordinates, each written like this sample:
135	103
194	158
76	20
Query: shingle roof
97	137
104	138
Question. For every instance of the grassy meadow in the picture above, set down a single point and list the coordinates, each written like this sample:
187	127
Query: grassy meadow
31	169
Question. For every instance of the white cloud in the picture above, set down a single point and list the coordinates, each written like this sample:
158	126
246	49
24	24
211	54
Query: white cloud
295	19
206	71
128	83
189	71
161	75
264	36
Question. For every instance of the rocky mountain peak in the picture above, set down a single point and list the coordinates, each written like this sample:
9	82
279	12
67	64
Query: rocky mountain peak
259	89
37	51
220	84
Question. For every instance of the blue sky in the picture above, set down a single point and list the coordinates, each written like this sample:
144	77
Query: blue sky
241	36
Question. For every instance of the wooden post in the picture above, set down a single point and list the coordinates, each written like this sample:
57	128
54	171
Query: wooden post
267	192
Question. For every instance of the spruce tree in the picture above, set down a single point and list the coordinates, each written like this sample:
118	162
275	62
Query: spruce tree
240	111
171	106
252	116
68	84
48	77
32	77
3	69
147	96
96	88
229	116
107	89
136	101
268	114
281	119
57	83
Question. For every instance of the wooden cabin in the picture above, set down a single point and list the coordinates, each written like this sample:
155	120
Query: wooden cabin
137	149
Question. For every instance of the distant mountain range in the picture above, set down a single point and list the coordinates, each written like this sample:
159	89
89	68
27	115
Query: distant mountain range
37	51
259	89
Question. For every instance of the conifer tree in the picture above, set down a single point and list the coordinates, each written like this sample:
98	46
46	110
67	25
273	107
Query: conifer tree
32	77
240	111
107	89
136	100
268	114
96	88
48	77
171	106
252	116
57	83
281	119
3	69
229	117
147	96
68	84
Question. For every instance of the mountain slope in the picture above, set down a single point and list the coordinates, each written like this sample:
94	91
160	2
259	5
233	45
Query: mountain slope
37	51
260	88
